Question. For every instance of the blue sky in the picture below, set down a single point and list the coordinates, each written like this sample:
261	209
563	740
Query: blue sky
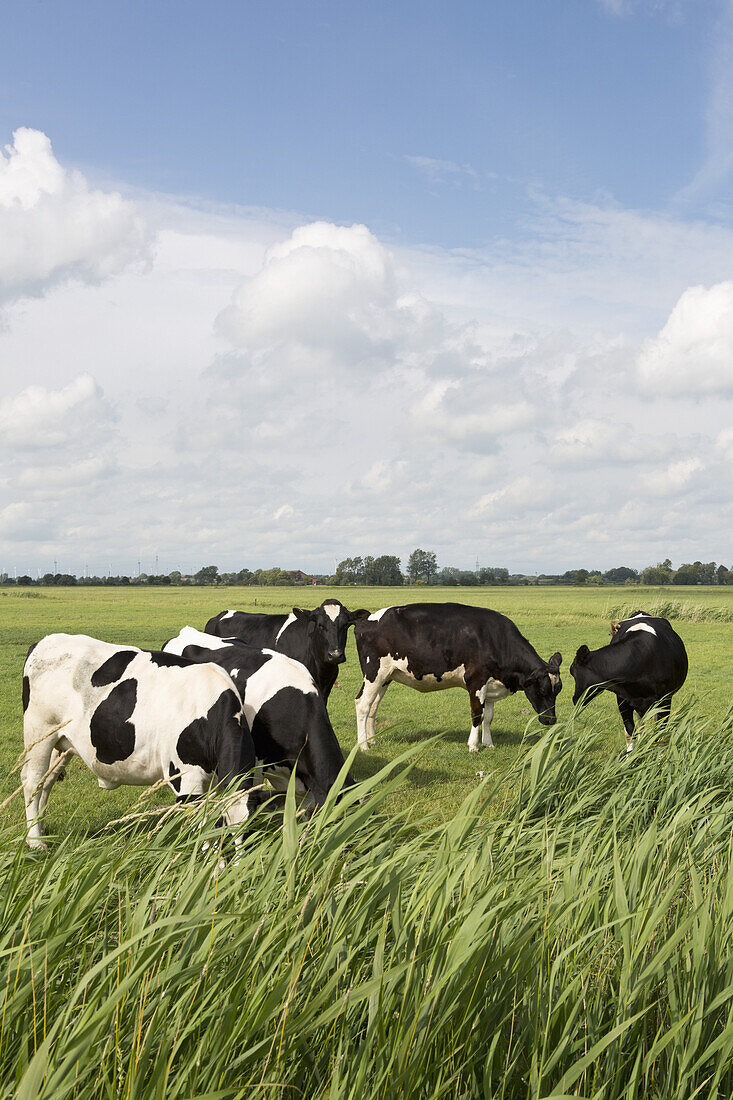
315	107
282	283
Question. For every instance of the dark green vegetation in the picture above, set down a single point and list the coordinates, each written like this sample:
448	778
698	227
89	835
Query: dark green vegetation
562	929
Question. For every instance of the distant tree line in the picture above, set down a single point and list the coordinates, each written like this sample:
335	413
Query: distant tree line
384	571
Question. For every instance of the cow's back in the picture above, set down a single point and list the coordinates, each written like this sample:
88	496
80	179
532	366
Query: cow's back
256	629
653	649
452	632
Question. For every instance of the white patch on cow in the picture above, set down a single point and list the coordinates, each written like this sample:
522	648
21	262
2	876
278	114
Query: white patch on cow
288	622
190	636
554	677
399	672
333	610
495	690
637	615
642	626
377	615
226	615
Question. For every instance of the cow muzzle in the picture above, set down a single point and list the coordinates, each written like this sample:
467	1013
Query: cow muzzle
336	656
547	719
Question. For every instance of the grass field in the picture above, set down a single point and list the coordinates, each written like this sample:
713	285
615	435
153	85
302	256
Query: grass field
552	618
562	929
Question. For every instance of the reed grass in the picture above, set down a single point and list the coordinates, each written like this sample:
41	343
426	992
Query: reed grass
580	944
682	610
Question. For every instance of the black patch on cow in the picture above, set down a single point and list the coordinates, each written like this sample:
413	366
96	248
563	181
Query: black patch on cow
111	732
113	668
166	660
175	777
198	742
26	693
31	647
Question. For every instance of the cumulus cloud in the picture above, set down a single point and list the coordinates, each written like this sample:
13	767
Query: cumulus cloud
674	479
336	292
53	227
693	353
359	397
594	442
38	418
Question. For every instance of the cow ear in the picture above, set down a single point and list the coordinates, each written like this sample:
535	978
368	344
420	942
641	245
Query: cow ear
360	614
582	655
302	613
555	661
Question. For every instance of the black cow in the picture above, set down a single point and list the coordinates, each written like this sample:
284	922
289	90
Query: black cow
283	707
315	638
134	717
644	664
431	646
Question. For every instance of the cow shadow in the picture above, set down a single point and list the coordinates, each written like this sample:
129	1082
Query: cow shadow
368	764
500	737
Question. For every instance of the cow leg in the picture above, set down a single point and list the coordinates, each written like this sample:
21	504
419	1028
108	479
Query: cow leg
486	727
35	773
477	717
367	701
627	717
57	771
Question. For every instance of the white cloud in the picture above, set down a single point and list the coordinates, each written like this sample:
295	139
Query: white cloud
593	442
360	397
673	480
724	443
693	353
524	494
335	290
445	171
38	418
53	227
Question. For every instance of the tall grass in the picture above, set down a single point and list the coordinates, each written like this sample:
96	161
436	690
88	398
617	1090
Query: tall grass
580	945
684	610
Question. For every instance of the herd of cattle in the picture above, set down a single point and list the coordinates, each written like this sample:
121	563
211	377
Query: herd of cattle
246	698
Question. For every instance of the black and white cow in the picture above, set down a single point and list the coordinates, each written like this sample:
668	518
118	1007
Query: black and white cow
134	717
644	664
432	646
283	707
315	638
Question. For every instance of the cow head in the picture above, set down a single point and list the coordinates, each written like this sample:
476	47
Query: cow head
586	681
542	688
328	626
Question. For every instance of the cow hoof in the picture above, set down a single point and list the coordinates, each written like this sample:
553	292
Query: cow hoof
38	845
474	748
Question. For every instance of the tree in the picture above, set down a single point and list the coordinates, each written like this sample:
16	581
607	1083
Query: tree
421	564
384	570
25	579
620	575
661	573
207	575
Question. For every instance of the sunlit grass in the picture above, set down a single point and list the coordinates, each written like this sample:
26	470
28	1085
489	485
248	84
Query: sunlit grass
578	943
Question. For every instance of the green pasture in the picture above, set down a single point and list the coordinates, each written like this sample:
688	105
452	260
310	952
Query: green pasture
552	618
561	929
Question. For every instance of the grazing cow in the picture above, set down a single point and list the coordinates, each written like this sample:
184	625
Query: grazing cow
285	711
431	646
644	664
134	717
315	638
